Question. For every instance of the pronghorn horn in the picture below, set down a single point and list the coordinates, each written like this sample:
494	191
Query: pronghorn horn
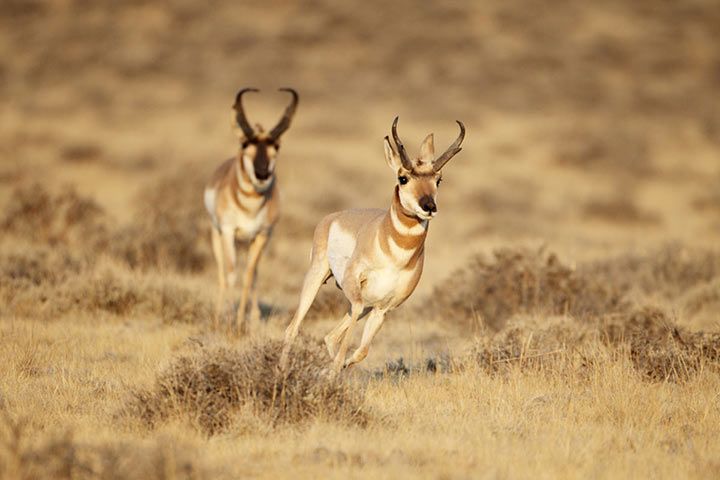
401	148
242	121
287	117
451	151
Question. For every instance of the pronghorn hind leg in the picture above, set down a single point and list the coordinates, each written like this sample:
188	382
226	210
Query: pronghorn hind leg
333	339
318	273
257	246
356	313
372	326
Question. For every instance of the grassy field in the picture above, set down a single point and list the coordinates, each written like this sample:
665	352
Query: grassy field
567	324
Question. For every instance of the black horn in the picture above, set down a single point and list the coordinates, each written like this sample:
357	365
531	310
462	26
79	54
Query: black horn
240	117
451	151
287	117
401	148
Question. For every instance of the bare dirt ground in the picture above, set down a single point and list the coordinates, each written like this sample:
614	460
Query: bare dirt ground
567	324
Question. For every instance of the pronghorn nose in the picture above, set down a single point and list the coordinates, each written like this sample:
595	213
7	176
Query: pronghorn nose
428	204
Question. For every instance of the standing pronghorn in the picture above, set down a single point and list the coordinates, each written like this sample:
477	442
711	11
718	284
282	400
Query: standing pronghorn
376	256
242	200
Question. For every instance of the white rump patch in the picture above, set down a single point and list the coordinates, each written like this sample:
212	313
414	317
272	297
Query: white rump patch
340	247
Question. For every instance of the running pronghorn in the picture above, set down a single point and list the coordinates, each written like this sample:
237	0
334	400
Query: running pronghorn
376	256
242	200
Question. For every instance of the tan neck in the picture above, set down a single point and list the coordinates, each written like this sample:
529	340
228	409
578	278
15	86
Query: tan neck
402	236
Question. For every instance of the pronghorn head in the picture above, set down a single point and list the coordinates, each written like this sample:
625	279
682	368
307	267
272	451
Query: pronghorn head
259	149
418	179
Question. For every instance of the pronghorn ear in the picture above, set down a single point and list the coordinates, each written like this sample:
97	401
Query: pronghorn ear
427	150
392	158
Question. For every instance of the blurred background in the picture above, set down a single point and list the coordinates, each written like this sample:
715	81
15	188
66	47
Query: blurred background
593	127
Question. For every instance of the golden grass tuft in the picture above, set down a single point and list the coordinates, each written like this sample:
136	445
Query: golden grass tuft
212	387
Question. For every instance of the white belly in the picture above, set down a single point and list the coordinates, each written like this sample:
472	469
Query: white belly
384	286
341	245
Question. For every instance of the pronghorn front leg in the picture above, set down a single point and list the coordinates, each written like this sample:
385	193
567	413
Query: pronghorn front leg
254	253
372	326
219	259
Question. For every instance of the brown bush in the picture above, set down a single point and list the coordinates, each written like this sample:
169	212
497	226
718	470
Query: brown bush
530	343
47	282
212	387
658	349
169	231
41	216
520	281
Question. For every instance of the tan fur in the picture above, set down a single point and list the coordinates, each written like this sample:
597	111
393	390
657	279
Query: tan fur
376	256
237	207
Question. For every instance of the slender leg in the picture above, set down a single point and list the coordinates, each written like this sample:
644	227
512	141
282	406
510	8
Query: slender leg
332	338
249	278
372	326
314	278
355	313
230	255
219	259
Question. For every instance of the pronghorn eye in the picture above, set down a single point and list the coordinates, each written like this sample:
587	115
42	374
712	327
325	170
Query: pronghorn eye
402	179
438	181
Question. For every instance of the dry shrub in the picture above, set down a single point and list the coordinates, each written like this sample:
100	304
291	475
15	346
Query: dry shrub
65	217
172	228
211	388
520	281
50	282
169	233
23	457
530	343
705	296
658	349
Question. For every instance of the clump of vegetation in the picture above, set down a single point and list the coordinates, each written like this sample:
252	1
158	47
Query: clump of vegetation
211	388
49	282
62	218
167	233
171	230
521	281
658	349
